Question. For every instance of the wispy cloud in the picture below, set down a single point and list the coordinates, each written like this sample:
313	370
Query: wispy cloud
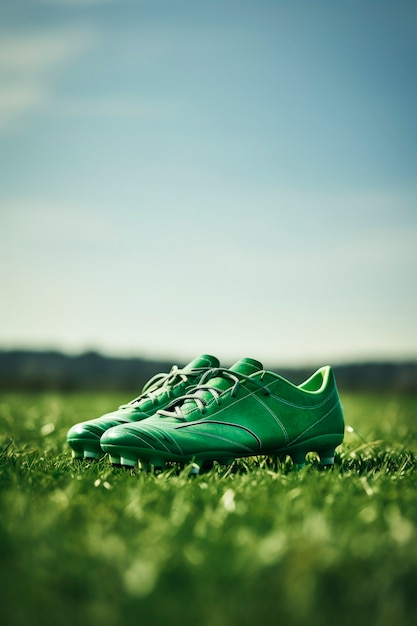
38	52
27	68
112	106
16	100
42	224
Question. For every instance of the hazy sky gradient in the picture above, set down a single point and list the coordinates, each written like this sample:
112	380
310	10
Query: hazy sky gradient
224	176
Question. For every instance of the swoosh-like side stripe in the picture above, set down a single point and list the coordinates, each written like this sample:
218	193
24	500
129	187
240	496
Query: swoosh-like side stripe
315	423
195	425
276	418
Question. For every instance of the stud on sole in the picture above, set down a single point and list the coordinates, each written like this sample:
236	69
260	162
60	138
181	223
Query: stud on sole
299	459
157	464
91	455
195	469
326	457
127	462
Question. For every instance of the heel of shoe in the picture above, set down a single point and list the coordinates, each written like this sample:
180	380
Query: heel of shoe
125	462
151	466
195	468
324	446
298	458
326	456
91	455
200	465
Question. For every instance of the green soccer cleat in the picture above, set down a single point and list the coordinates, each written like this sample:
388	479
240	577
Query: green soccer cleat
237	412
159	391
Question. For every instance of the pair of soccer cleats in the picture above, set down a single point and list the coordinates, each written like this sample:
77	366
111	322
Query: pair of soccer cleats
205	413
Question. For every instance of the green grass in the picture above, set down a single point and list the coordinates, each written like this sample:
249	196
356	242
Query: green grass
257	542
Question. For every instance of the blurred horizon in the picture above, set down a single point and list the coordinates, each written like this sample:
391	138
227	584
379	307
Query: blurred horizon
228	360
57	371
228	177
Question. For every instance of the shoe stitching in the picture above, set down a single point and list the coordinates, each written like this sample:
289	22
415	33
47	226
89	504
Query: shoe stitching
180	386
164	433
144	440
316	406
230	441
315	423
91	429
252	393
196	424
276	418
157	434
161	383
298	406
272	395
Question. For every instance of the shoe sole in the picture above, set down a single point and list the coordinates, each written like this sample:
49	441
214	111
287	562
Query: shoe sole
89	449
85	449
89	455
324	446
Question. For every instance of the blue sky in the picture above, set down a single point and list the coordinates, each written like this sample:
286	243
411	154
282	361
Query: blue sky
227	176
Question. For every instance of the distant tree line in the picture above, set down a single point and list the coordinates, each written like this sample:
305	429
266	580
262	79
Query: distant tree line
25	370
50	370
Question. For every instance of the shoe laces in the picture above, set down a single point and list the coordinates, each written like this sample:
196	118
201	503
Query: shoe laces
195	394
163	382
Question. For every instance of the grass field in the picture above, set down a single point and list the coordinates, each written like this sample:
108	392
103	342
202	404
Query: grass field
253	543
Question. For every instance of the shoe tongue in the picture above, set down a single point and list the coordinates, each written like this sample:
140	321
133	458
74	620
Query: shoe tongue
247	366
244	366
204	360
